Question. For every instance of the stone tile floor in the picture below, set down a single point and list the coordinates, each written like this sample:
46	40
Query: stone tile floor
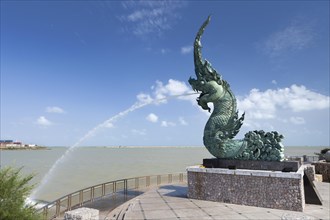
171	202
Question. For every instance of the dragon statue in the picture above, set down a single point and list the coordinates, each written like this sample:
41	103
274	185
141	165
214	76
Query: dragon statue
224	122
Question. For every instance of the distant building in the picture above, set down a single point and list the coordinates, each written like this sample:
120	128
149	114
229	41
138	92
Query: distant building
6	142
15	144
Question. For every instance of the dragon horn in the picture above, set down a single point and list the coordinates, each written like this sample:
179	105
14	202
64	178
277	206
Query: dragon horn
198	61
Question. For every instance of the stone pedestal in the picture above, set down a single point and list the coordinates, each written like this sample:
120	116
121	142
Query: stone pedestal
82	214
261	188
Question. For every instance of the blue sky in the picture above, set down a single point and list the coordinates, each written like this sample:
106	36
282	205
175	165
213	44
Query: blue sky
69	66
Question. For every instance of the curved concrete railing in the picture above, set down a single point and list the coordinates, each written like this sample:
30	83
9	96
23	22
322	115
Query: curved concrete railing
90	194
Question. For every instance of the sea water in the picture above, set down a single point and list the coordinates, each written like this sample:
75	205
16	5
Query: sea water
93	165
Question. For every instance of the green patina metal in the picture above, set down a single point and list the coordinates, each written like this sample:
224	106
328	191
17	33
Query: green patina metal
224	122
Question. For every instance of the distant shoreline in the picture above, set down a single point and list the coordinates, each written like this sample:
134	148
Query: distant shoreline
128	147
159	146
25	148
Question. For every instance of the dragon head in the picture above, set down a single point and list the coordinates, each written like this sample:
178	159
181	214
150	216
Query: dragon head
208	81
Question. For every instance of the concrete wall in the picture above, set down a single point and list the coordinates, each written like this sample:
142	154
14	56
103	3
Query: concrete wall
267	189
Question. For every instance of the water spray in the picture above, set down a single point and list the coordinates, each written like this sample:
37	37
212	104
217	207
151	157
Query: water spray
92	132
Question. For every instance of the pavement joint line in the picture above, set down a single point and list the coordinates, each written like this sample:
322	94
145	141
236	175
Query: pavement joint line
143	213
117	216
106	215
161	196
239	213
126	209
201	209
171	195
235	210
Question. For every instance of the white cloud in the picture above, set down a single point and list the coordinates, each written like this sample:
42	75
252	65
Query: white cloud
150	17
301	99
296	36
167	124
152	118
297	120
258	105
264	105
144	98
186	49
174	88
161	92
43	121
182	121
274	82
55	109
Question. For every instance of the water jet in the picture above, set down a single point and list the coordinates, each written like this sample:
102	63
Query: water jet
60	161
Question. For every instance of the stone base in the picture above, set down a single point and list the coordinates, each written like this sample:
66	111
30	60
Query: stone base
82	214
269	189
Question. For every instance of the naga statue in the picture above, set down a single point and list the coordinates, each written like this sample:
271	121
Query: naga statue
224	122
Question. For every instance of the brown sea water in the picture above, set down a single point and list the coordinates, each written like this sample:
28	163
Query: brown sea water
93	165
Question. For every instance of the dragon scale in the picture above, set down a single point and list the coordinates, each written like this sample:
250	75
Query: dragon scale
224	123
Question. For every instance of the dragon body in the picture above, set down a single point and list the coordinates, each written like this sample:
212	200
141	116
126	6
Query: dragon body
224	122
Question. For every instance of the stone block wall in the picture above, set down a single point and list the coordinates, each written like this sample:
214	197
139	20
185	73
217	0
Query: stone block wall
253	188
324	169
310	171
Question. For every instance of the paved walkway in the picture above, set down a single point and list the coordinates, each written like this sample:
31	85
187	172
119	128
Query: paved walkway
171	202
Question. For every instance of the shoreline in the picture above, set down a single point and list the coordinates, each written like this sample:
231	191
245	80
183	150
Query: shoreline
25	148
162	146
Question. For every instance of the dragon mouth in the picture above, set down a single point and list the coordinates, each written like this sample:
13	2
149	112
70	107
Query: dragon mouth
201	93
198	91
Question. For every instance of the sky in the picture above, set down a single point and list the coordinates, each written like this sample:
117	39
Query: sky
100	73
